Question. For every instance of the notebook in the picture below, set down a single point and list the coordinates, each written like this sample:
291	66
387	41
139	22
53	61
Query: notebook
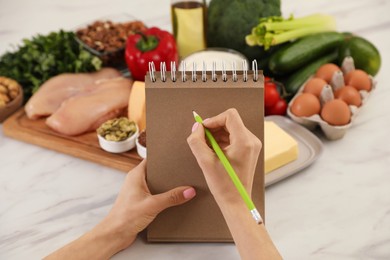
170	99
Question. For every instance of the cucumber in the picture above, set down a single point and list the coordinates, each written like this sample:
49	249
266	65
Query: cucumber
303	51
296	80
365	55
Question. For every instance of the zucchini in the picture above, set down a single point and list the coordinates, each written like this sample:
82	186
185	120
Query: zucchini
303	51
296	80
365	55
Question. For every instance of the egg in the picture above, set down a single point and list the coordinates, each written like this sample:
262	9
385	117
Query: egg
358	79
306	104
349	95
326	71
314	86
336	112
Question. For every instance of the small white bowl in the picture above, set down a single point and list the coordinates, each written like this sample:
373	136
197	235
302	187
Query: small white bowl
211	55
141	150
118	147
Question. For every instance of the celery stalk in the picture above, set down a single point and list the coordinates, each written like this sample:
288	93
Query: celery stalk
276	30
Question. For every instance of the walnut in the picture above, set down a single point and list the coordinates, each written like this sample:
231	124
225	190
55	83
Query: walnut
2	103
106	36
5	98
3	89
13	94
9	90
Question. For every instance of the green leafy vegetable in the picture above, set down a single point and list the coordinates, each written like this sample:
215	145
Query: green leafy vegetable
45	56
276	30
229	21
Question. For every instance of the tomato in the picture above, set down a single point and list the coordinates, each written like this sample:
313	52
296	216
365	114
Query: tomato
268	84
279	108
271	94
273	101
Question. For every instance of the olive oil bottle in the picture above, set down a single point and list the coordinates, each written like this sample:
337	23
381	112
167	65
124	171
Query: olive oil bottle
189	25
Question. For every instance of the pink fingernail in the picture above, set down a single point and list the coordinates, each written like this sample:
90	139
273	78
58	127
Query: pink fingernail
195	126
189	193
205	120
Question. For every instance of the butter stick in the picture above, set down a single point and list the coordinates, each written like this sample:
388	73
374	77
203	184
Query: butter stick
279	148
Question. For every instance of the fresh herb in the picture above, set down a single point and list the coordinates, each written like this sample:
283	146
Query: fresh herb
275	30
45	56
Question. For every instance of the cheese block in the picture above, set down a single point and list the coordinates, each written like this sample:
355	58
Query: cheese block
137	108
279	147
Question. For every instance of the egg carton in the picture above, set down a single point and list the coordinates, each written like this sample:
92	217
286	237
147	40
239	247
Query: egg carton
332	132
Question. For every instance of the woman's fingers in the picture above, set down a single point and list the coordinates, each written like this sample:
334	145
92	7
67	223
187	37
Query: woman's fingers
197	142
222	138
232	122
173	197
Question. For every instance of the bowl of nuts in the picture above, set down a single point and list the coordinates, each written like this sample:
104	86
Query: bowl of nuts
107	36
11	97
141	144
117	135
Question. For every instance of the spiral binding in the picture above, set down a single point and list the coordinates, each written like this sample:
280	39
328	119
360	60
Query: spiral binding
194	75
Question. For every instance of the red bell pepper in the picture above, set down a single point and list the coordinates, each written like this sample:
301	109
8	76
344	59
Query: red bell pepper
151	45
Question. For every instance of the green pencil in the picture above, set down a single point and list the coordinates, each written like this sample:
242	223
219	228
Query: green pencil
233	176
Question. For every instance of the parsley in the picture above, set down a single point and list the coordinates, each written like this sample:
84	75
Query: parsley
45	56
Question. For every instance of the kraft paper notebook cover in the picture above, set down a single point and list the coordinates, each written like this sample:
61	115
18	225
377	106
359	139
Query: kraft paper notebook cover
170	162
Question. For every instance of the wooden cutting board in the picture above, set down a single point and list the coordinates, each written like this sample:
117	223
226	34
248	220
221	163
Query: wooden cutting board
85	146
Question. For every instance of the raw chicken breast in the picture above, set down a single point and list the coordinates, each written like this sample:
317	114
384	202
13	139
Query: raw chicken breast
87	111
59	88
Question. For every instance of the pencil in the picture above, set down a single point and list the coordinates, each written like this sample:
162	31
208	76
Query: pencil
233	176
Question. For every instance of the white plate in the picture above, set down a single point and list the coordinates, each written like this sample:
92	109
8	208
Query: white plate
309	146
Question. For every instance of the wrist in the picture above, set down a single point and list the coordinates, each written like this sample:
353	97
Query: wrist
230	203
229	194
115	235
102	242
229	198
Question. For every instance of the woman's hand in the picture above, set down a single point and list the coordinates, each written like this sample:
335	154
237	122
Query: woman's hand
135	207
240	146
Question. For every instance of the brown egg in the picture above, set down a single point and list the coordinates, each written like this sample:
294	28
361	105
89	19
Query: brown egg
306	104
336	112
358	79
349	95
326	71
314	86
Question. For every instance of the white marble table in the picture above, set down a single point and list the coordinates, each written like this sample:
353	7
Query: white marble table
339	208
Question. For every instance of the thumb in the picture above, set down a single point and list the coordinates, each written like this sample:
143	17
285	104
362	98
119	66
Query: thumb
174	197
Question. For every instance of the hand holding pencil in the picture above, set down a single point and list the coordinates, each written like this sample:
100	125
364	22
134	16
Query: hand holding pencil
229	171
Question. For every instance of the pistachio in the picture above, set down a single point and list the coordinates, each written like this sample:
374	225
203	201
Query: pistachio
117	129
111	137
